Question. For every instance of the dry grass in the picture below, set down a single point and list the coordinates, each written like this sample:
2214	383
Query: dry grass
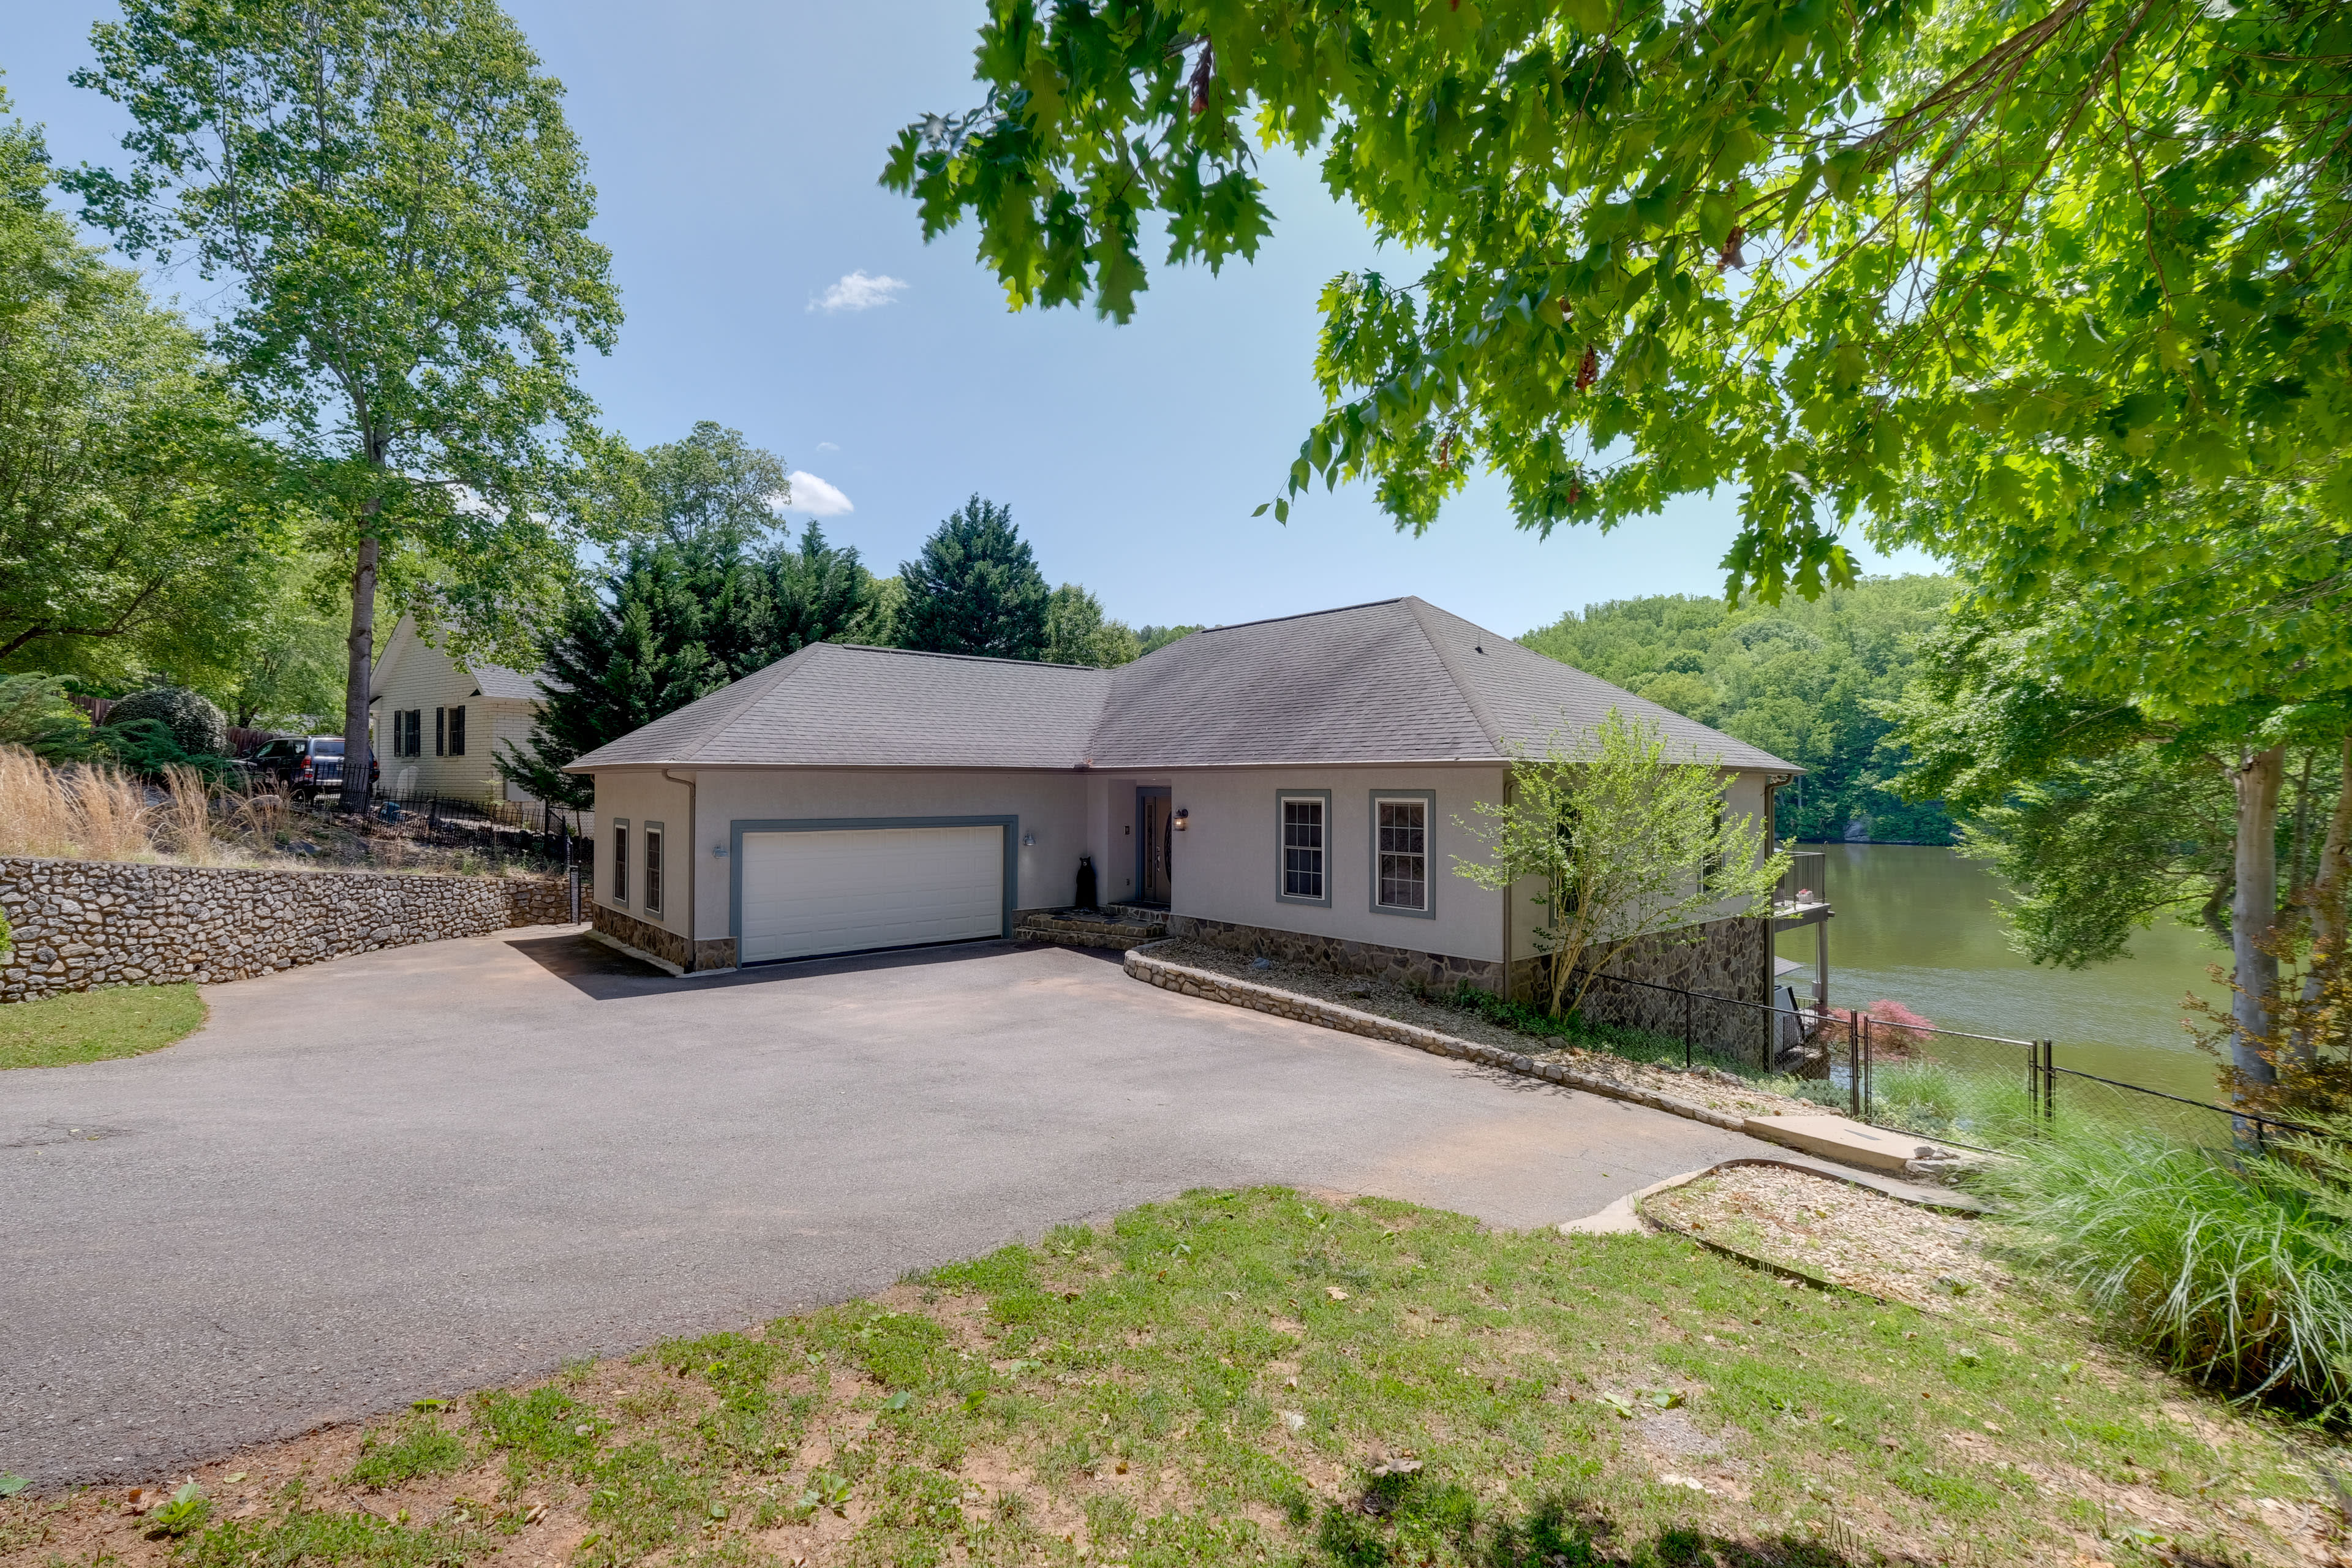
110	813
35	813
186	818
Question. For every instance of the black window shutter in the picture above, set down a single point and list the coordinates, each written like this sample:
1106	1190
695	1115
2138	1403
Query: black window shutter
456	731
440	732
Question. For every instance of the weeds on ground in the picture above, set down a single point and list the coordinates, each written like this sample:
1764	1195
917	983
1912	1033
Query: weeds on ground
97	1026
1574	1030
1263	1378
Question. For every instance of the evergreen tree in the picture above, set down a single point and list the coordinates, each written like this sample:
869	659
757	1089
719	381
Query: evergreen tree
698	601
625	657
975	588
819	593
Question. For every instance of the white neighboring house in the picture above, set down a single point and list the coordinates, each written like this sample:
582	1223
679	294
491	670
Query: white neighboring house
440	724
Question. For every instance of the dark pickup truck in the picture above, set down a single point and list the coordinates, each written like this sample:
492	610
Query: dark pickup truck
305	766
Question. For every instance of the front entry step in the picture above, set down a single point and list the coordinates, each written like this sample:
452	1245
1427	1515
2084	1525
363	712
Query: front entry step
1119	929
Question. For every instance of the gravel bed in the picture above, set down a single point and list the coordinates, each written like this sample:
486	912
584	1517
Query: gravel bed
1710	1086
1838	1231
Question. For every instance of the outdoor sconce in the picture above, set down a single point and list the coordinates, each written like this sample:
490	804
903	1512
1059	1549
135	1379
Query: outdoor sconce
1028	841
1181	816
719	852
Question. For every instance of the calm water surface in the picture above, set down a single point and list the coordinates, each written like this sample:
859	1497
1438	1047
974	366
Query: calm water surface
1917	925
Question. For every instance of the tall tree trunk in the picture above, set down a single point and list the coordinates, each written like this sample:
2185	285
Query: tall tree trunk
2254	910
360	675
2331	887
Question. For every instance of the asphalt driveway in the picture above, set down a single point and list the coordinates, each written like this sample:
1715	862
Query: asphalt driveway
442	1167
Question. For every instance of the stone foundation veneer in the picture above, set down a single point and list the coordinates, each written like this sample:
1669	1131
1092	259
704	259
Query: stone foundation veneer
1730	958
662	945
1438	971
80	924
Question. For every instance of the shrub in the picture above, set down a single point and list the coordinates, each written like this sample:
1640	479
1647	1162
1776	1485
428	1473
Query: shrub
36	714
198	727
2235	1269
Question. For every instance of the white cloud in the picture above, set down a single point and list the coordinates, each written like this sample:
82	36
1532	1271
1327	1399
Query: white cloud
816	498
858	291
826	446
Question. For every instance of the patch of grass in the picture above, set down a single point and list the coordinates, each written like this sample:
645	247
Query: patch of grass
1263	1380
97	1026
419	1446
303	1537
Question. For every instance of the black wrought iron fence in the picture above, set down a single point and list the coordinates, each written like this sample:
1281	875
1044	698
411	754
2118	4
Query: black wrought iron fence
1907	1074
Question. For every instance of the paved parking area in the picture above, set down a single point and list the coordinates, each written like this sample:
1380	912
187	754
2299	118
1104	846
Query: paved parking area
448	1166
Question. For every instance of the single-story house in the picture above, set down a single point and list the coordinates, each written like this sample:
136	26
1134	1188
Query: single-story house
1296	786
440	722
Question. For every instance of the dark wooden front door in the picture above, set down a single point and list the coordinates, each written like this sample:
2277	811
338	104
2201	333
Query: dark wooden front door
1151	856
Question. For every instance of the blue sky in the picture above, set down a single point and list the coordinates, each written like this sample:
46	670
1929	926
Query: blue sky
735	147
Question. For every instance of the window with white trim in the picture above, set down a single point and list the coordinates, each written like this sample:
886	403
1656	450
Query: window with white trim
1305	828
1401	853
620	862
652	875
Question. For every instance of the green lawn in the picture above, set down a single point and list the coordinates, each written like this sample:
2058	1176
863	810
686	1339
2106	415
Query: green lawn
1260	1378
97	1026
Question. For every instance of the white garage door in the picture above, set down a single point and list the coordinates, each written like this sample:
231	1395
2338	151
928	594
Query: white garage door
806	893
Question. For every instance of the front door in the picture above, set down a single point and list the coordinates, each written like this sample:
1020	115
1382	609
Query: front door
1152	862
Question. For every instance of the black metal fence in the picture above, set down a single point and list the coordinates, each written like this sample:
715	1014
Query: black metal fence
518	829
1908	1075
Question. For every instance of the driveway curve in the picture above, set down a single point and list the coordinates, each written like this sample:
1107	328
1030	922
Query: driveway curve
444	1167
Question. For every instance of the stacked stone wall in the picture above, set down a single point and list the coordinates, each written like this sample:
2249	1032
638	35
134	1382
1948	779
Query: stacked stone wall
1437	971
1730	958
80	924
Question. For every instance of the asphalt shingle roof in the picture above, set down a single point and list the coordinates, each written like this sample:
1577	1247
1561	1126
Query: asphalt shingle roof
1396	681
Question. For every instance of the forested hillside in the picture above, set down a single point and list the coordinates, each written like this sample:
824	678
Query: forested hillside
1796	679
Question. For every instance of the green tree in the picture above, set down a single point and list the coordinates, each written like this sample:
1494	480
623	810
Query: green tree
2065	254
393	188
975	588
1077	632
136	524
2087	737
701	597
1802	680
1151	639
290	670
821	592
1626	845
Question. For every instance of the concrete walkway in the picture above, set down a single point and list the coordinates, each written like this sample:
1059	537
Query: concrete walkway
444	1167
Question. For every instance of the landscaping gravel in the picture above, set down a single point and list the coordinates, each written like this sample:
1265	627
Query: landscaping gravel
1710	1086
1835	1230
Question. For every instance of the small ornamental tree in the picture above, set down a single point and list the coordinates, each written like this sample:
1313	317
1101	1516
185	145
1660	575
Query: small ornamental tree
1625	842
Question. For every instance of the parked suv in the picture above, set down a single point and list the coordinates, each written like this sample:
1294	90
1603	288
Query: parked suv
306	766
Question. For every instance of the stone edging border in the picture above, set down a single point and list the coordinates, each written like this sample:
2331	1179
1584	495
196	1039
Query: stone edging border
1214	987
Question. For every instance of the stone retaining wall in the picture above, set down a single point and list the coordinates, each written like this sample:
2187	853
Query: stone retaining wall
1214	987
1438	971
80	924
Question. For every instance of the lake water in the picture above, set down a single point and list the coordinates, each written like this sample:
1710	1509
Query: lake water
1917	925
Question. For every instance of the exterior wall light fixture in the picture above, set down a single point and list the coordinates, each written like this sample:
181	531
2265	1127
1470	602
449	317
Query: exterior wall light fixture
1028	841
1181	817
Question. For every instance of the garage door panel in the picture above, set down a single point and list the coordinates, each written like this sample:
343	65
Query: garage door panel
839	890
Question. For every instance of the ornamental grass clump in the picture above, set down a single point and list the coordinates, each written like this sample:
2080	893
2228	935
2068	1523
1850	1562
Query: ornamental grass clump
2234	1267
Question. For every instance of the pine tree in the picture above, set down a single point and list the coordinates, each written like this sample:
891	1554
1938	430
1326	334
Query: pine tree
975	588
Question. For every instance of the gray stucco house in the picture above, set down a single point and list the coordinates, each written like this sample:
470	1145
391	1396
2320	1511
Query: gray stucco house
1292	785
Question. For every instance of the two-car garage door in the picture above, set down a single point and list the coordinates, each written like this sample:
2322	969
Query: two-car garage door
848	891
